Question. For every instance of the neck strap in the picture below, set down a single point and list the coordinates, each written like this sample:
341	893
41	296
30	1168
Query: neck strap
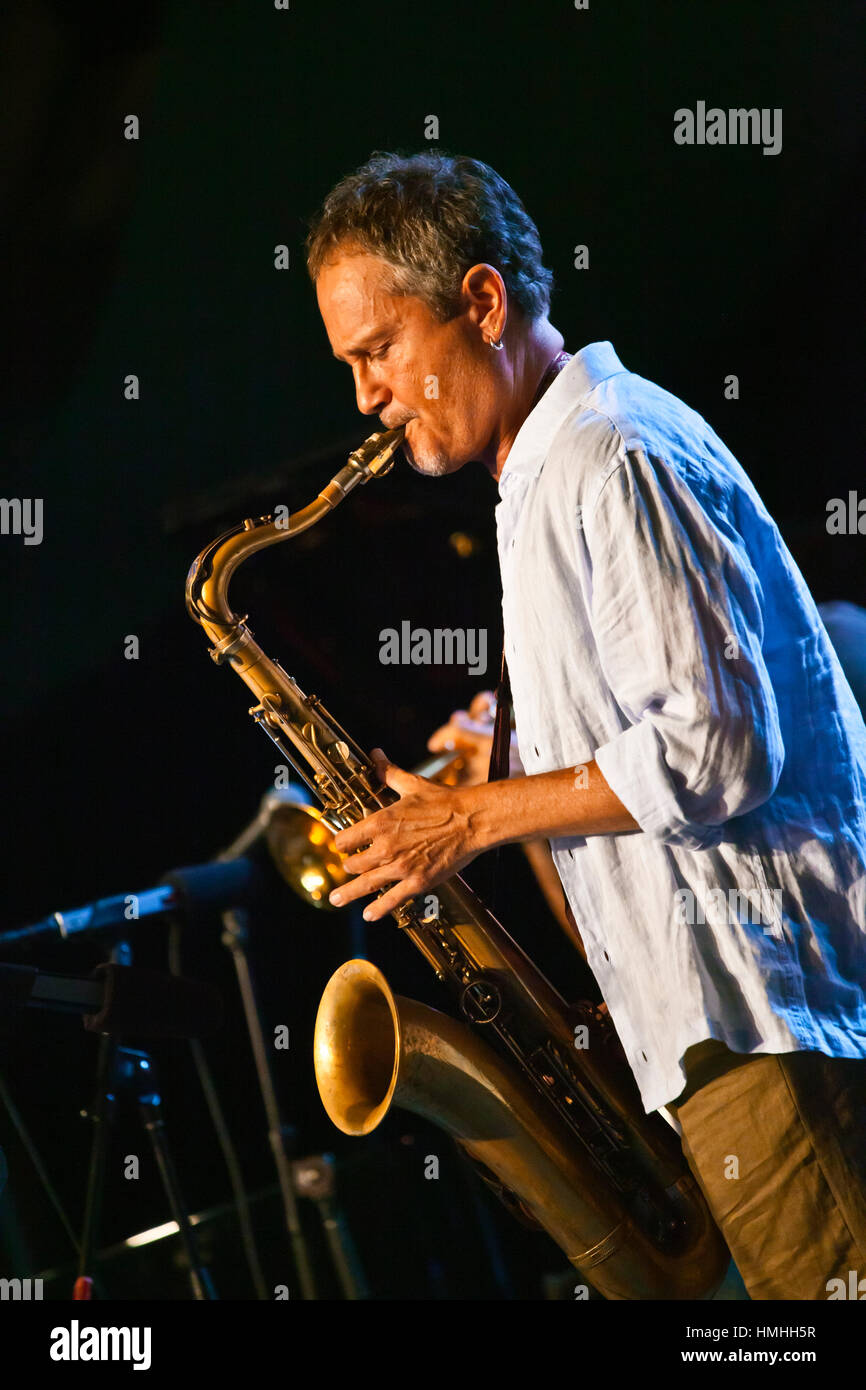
551	372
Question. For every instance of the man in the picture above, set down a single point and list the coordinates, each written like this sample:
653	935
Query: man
692	749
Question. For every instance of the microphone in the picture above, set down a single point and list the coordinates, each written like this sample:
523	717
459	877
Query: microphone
119	999
232	879
235	883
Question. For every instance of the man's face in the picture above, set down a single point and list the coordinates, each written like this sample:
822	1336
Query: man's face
410	367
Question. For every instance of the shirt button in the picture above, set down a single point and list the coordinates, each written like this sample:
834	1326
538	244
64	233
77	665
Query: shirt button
643	1054
606	956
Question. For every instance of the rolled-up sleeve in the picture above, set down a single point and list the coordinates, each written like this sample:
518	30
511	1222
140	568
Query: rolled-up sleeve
676	616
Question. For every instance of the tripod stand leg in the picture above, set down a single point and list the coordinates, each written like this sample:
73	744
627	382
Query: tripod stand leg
199	1276
315	1178
101	1115
343	1251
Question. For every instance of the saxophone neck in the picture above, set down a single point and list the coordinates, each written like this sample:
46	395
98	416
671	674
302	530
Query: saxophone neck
208	579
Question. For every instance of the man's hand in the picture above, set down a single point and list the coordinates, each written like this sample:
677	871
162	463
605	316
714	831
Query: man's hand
424	838
432	832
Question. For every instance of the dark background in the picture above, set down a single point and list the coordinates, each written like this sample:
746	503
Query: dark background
155	257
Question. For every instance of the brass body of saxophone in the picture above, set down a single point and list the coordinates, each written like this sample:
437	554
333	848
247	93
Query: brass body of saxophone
559	1128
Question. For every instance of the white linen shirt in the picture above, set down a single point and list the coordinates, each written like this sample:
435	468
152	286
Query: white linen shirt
656	621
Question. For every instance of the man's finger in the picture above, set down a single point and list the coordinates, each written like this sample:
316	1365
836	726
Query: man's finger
397	778
363	860
357	836
363	886
389	902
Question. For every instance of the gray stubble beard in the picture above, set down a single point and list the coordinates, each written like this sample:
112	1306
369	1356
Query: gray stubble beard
432	465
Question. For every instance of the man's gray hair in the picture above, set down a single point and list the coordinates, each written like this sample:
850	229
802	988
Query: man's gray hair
431	216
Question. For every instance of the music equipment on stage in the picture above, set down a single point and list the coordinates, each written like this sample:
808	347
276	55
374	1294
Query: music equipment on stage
561	1126
197	887
119	999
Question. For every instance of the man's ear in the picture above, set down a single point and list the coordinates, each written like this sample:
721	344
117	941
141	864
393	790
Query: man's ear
486	298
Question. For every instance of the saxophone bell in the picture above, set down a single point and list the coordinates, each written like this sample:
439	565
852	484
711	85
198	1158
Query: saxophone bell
301	843
374	1050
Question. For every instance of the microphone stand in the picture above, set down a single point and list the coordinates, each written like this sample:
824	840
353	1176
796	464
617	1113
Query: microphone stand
280	1134
122	1069
315	1179
150	1111
229	877
311	1177
101	1116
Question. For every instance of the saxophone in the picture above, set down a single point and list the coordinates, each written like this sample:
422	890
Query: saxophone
557	1128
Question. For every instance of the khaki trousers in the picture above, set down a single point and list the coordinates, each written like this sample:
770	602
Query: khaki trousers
777	1143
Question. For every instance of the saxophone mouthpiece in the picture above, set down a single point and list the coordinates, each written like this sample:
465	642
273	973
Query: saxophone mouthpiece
376	455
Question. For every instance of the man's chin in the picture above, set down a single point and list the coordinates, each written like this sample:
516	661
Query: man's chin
430	463
432	468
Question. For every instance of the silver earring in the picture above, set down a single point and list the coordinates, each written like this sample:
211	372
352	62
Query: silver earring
499	346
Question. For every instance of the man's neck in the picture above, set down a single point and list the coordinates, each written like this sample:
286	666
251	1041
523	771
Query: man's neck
533	354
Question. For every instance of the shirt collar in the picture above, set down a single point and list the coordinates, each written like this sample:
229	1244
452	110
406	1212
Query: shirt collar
592	365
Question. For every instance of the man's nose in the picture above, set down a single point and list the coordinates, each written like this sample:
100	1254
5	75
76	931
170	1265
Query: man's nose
371	392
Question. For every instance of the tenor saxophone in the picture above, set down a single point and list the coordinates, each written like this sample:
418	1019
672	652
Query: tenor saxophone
557	1128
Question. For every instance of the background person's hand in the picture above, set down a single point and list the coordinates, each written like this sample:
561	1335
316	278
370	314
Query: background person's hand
470	732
